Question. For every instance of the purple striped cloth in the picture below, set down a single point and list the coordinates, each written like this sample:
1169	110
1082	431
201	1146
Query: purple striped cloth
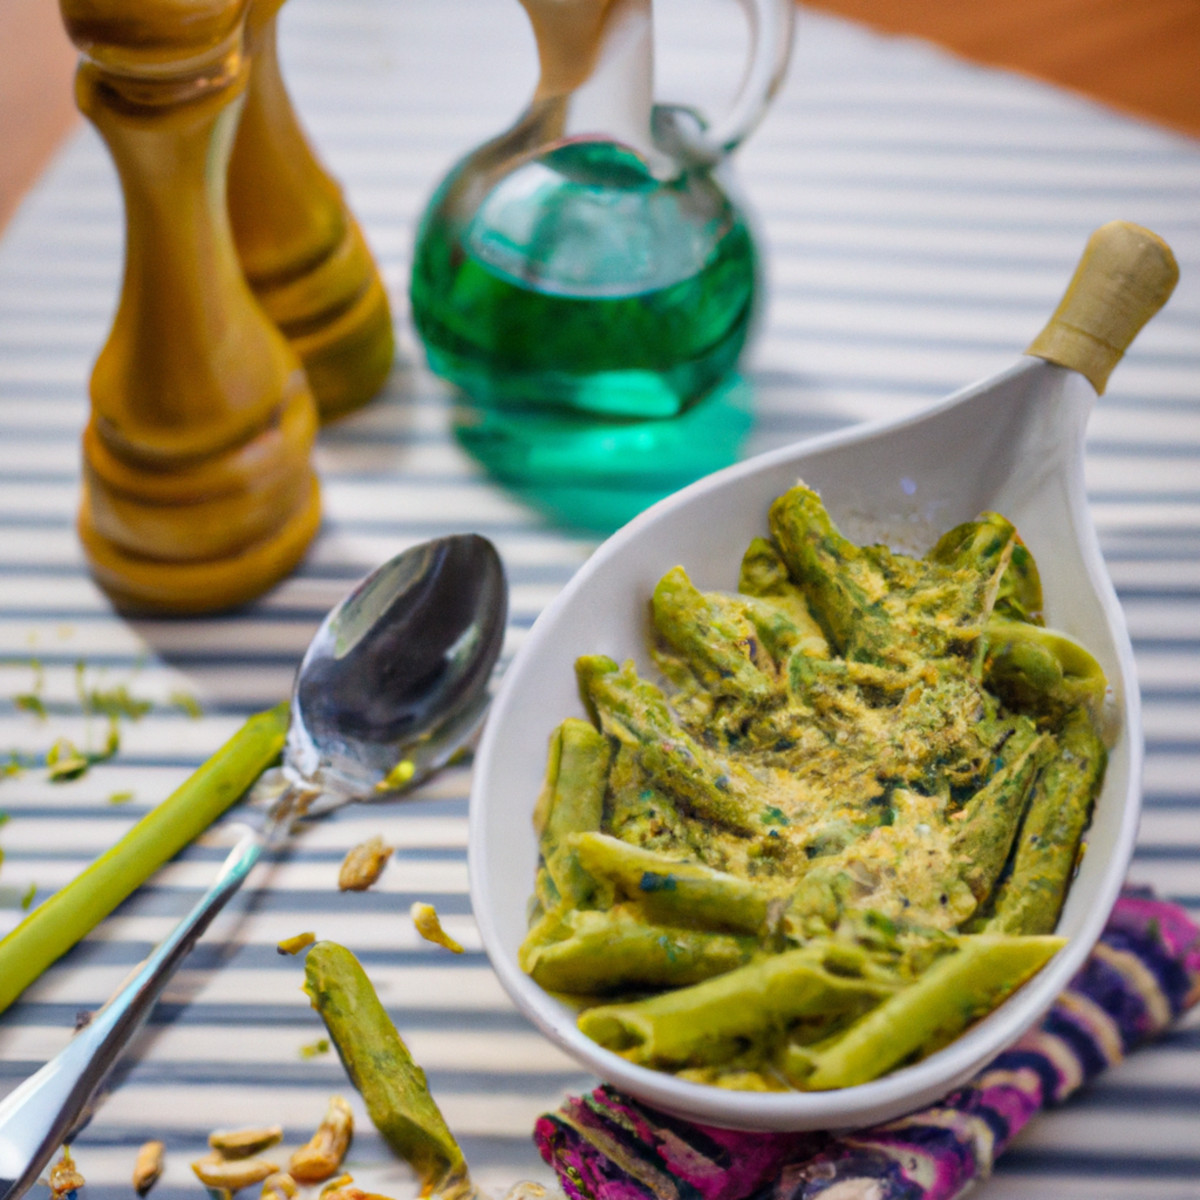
1142	975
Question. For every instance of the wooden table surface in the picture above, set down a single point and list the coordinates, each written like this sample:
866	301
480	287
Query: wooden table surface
37	104
1141	56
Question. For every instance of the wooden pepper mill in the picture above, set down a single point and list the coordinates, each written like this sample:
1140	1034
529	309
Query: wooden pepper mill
301	249
198	489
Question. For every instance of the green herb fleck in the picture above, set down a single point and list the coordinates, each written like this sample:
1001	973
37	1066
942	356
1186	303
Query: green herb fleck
31	702
120	797
187	702
115	702
652	881
27	899
313	1049
64	761
775	816
112	743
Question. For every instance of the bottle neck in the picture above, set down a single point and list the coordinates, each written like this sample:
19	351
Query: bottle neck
597	69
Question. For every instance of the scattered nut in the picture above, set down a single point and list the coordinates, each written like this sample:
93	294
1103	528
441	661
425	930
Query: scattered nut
217	1171
147	1167
242	1143
425	918
280	1186
322	1156
526	1189
363	865
65	1180
294	945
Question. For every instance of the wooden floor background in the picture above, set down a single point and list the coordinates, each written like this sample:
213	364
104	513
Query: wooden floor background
1141	56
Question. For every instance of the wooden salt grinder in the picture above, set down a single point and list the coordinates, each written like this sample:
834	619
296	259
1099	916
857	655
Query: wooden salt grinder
198	489
301	248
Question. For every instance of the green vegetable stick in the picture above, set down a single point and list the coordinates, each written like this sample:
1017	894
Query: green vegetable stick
586	952
636	712
764	573
764	576
719	644
701	1024
75	910
672	891
380	1066
1041	671
839	579
783	630
573	798
1020	594
572	801
977	555
951	994
1030	898
990	819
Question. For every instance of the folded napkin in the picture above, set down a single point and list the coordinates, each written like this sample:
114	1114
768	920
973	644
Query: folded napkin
1142	975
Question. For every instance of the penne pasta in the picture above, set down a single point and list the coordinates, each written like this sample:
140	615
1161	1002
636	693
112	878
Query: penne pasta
842	830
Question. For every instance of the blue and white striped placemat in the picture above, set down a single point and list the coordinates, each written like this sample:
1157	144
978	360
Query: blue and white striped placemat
921	217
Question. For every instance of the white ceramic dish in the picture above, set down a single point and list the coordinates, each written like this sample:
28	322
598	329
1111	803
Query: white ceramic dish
1013	444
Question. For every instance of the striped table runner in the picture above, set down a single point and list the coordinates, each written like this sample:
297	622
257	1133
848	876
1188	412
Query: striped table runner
921	218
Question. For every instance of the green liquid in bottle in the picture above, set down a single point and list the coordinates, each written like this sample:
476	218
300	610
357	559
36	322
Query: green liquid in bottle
594	474
581	284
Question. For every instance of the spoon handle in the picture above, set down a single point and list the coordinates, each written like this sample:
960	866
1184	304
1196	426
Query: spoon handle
1125	276
41	1114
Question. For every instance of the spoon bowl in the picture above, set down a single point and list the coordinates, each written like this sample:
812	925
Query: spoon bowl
398	670
1013	444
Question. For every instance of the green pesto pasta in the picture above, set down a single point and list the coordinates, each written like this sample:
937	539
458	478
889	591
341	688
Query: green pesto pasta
842	825
705	1023
589	951
572	801
672	891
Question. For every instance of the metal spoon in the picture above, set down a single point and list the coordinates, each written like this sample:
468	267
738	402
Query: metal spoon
396	674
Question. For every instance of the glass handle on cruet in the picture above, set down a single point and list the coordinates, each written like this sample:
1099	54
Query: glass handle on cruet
771	25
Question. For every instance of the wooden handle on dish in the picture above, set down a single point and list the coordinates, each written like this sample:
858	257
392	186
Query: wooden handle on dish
1125	276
